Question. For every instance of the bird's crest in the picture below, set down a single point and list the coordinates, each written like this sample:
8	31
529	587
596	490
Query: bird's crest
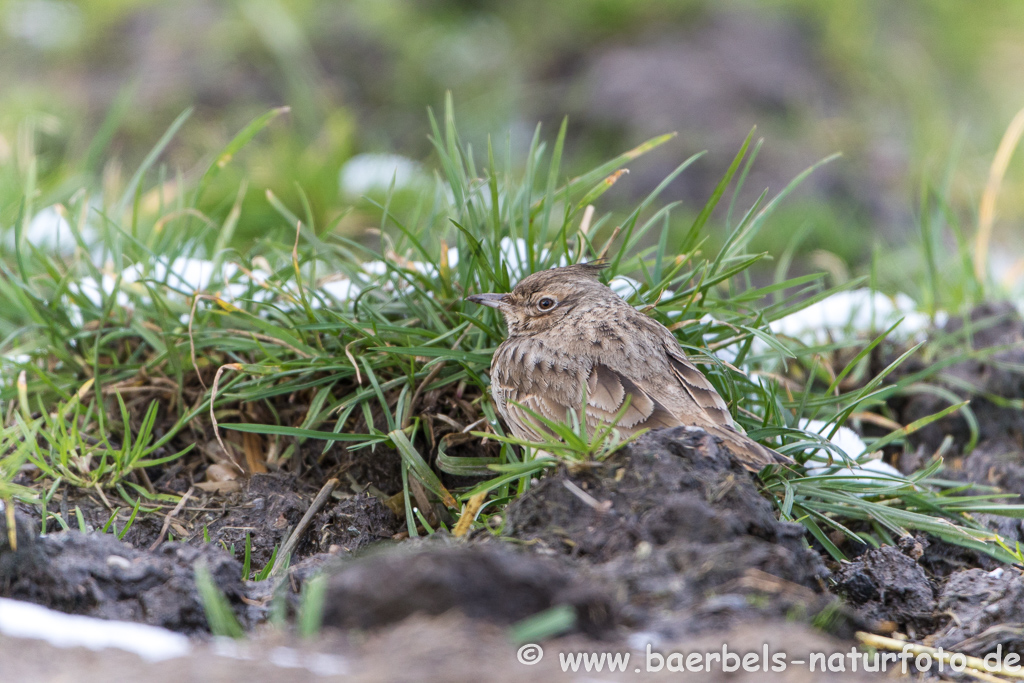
590	269
544	278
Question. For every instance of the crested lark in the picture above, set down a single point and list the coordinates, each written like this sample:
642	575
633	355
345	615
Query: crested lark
567	330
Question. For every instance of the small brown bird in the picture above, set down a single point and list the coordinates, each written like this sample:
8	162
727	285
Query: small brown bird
567	330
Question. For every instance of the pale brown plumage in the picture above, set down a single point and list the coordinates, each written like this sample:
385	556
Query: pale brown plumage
566	329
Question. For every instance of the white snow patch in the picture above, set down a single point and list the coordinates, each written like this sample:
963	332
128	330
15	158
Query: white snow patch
26	620
50	231
624	286
855	312
517	257
870	471
365	173
340	290
96	291
344	289
185	273
17	358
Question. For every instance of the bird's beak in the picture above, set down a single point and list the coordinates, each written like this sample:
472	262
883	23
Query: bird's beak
492	300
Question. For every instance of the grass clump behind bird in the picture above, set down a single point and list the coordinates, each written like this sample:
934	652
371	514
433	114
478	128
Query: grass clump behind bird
321	348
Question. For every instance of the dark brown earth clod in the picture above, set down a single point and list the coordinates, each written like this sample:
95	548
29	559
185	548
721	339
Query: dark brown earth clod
986	610
887	585
99	576
681	529
490	583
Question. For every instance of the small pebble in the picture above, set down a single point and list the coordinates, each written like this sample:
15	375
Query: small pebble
219	472
119	562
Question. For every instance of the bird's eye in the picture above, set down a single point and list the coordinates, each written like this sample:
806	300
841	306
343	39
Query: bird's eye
546	304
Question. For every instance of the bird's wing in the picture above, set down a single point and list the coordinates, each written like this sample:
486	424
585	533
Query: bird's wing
607	391
526	426
659	366
705	397
714	416
671	393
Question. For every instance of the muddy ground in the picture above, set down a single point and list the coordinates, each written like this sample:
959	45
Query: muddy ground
668	542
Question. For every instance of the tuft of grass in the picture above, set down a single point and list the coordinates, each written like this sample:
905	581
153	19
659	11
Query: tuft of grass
264	573
219	614
552	622
60	446
311	606
247	561
16	454
139	341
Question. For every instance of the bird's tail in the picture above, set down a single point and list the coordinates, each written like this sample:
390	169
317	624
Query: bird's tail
748	452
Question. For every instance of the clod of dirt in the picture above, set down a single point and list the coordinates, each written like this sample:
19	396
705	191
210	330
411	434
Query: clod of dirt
99	576
888	586
987	610
25	555
680	527
266	510
271	505
490	583
350	525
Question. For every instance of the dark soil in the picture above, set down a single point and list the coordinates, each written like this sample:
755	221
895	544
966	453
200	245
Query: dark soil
973	611
266	509
960	599
489	582
99	576
269	508
891	589
669	536
680	529
986	610
350	525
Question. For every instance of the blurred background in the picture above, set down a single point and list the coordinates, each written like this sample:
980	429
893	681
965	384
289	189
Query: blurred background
915	95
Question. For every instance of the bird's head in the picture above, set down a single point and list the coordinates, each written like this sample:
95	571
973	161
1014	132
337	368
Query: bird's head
543	300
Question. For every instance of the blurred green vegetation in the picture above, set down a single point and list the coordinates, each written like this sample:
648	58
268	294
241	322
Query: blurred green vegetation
914	94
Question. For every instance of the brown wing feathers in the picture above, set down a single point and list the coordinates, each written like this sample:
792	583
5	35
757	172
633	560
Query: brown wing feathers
607	391
701	391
